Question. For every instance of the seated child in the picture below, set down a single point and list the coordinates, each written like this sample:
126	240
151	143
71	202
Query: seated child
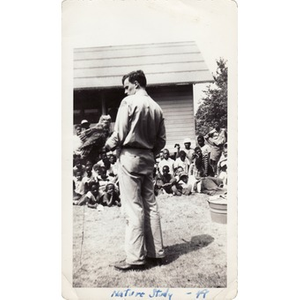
77	165
178	171
166	161
197	167
92	197
102	158
87	176
113	169
182	161
156	171
159	157
180	185
110	196
101	177
111	176
166	179
78	186
96	172
186	187
158	189
162	182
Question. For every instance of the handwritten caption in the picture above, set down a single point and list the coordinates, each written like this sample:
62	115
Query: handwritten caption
156	293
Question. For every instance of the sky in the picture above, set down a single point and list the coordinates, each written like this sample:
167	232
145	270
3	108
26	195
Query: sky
211	24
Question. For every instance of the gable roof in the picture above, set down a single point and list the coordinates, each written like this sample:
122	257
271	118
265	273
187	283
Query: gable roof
162	63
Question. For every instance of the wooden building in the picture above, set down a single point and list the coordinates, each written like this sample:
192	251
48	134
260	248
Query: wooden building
171	70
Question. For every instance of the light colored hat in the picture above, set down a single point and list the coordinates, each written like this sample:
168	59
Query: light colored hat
187	140
84	122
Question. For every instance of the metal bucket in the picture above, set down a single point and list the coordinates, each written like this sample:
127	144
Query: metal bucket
218	210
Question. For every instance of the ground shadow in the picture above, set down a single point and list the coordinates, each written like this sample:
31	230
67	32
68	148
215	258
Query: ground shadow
197	242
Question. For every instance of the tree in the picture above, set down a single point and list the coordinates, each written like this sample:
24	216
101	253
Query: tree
213	107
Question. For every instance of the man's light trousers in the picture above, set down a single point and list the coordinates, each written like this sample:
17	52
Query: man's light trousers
143	234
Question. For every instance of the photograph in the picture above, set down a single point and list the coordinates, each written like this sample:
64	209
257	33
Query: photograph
149	122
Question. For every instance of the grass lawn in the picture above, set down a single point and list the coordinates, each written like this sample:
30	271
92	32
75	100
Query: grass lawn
195	247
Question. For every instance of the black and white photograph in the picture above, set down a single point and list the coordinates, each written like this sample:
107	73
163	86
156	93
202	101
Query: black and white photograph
93	216
149	149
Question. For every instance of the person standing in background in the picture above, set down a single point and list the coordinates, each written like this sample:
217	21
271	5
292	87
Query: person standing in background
188	150
85	124
205	149
216	138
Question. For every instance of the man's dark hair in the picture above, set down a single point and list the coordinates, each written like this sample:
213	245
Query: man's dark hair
138	76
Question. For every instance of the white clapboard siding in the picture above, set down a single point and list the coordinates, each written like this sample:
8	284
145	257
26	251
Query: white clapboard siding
177	106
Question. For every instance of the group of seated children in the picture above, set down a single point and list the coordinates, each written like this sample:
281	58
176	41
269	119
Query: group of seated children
189	171
96	185
176	184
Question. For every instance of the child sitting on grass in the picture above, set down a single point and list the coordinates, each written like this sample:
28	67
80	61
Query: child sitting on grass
180	185
102	158
158	186
182	161
87	176
110	196
78	186
166	178
92	198
103	180
99	173
77	165
113	169
111	176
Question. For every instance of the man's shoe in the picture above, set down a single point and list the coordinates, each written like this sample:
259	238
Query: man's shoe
155	261
124	266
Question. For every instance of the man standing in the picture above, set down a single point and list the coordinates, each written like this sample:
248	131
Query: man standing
140	134
216	138
188	150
